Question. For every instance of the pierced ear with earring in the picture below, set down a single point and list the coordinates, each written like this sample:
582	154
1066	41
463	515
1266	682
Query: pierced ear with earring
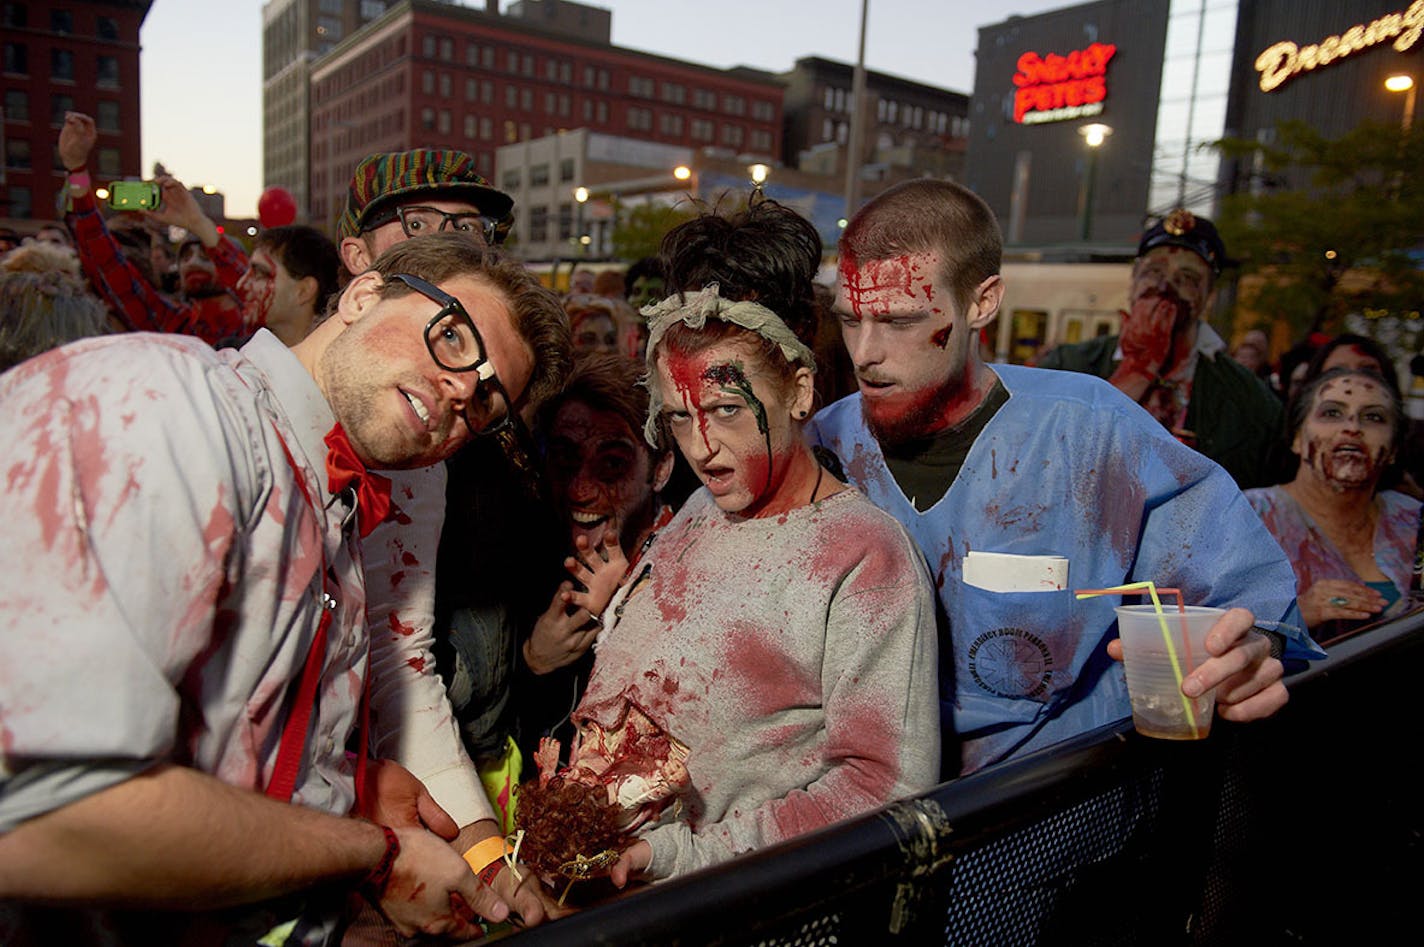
801	415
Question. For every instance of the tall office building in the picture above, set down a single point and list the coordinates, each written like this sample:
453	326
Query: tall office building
295	33
429	74
61	56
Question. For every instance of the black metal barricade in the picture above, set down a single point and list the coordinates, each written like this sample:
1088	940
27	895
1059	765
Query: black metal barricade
1304	829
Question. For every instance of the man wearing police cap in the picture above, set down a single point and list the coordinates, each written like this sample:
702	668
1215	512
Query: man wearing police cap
1169	360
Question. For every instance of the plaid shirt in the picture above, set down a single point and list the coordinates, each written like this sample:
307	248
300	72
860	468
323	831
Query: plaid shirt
136	302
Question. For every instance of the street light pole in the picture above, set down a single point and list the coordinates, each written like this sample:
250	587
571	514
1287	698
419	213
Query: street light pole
1404	83
581	197
1093	135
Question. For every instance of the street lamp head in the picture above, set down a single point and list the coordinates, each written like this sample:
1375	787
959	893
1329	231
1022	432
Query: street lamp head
581	194
1399	83
1095	134
759	173
682	172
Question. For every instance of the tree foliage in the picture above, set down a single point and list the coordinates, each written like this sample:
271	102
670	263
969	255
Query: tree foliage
1327	228
640	228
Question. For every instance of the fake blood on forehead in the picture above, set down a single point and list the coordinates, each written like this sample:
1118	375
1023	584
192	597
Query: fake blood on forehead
730	378
898	274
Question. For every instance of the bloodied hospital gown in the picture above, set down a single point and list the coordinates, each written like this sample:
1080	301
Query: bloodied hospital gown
1068	467
792	657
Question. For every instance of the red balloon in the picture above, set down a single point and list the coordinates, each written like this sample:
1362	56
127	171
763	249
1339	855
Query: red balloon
276	207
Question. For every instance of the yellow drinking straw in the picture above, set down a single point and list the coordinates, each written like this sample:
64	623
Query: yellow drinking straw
1151	590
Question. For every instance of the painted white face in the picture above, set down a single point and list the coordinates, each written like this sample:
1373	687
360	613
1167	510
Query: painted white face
1347	438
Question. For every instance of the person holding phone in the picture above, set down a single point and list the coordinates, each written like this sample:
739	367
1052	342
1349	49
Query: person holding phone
209	268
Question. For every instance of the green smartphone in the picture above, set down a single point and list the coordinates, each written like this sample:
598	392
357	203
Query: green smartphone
135	195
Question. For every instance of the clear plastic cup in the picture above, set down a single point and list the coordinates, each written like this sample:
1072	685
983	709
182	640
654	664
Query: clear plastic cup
1159	708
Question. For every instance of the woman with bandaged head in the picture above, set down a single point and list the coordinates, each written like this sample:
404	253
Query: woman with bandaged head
769	668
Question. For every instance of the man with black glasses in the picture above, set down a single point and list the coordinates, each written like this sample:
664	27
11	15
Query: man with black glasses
182	613
399	195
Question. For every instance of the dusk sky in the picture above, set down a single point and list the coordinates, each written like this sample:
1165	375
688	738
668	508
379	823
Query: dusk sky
202	82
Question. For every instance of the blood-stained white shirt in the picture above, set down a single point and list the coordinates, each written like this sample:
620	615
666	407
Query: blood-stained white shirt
411	718
160	570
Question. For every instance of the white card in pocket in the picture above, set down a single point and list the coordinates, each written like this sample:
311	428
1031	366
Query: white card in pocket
1006	572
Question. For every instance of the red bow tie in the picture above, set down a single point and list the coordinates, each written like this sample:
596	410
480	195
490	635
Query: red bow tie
343	468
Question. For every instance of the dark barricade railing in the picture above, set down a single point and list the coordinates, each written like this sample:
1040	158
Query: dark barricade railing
1303	829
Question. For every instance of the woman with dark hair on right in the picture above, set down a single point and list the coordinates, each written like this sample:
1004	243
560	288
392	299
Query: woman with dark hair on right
1351	544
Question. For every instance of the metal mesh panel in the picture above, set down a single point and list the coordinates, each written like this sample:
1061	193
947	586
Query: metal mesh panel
1010	891
824	931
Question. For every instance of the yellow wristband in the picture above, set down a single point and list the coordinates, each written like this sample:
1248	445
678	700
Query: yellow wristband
485	853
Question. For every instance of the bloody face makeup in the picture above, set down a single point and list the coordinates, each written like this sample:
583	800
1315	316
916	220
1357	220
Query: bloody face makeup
270	297
909	342
196	272
1347	438
600	471
1176	273
732	419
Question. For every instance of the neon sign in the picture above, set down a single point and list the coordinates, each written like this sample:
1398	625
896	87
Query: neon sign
1285	60
1055	88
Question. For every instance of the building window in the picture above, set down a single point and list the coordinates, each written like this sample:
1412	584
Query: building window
15	14
17	105
20	202
640	120
734	105
511	96
539	225
107	117
58	105
640	86
370	9
566	221
328	28
17	59
890	110
842	135
703	99
566	72
108	72
674	92
588	110
763	111
107	28
588	75
511	133
330	6
551	103
427	82
510	181
563	105
427	47
732	136
447	49
427	119
880	110
486	129
761	141
472	54
472	89
702	129
17	153
828	129
528	64
444	126
829	103
538	175
602	113
61	64
470	126
109	164
445	85
526	100
486	92
566	170
61	21
670	124
551	70
603	80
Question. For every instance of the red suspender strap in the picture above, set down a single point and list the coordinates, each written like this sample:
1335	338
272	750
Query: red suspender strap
294	731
